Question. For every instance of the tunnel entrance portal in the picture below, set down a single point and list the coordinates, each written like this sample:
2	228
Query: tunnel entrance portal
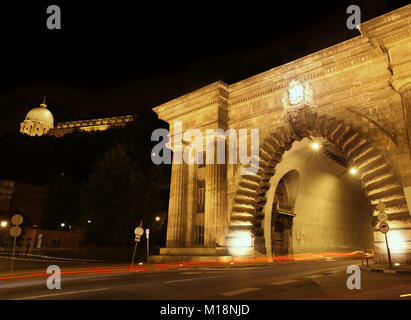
356	96
315	205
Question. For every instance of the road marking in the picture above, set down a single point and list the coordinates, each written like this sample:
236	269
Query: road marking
101	279
315	276
194	272
181	280
241	291
405	295
280	283
60	294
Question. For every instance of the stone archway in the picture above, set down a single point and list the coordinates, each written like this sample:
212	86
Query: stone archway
379	181
280	218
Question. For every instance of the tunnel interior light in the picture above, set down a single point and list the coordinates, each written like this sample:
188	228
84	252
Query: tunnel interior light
315	146
353	171
395	241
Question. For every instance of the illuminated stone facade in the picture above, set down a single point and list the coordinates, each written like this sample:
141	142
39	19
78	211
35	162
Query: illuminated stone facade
359	105
102	124
38	121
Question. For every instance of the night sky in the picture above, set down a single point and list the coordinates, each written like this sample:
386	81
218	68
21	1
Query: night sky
115	57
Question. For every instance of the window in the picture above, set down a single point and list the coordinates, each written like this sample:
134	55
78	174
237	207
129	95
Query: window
199	235
200	196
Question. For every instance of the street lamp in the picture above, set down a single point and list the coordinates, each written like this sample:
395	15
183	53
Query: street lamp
315	146
157	218
62	224
4	224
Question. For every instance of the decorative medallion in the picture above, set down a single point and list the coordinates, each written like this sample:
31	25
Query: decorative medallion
297	95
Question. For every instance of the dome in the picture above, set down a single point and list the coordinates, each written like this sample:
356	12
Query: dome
42	115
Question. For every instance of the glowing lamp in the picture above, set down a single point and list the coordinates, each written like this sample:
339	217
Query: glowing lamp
395	241
315	146
240	243
353	171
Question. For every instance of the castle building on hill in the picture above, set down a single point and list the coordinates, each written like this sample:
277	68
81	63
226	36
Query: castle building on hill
40	121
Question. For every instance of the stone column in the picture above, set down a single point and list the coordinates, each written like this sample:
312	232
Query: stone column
191	203
177	209
215	221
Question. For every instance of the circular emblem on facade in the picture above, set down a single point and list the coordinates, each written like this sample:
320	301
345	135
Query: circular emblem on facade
297	95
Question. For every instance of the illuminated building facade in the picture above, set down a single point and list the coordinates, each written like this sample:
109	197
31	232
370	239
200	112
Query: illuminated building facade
334	141
40	121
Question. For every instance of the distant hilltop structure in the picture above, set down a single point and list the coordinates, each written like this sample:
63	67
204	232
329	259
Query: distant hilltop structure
40	121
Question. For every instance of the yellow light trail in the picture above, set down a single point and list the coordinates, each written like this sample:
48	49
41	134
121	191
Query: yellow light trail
405	295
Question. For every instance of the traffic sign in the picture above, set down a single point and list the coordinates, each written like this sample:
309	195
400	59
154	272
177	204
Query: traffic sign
382	216
381	207
15	231
384	227
17	219
139	231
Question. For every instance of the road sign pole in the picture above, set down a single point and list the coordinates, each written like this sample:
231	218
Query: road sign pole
15	231
12	256
134	254
388	250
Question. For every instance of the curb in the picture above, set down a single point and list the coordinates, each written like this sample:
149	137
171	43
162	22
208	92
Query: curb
386	270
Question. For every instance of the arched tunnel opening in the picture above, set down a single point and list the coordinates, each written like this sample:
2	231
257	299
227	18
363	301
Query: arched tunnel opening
315	204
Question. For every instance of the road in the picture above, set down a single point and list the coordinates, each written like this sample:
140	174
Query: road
305	280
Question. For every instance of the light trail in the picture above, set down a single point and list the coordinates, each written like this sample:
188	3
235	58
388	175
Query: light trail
183	264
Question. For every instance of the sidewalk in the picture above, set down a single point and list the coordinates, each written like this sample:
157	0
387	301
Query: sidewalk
386	268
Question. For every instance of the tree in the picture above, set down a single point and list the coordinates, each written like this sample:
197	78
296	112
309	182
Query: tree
63	203
111	199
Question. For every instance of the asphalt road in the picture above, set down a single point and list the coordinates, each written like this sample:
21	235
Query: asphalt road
304	280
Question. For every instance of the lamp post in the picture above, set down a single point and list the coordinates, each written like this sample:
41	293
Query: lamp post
148	244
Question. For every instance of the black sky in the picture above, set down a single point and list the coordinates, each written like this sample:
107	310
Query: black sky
120	57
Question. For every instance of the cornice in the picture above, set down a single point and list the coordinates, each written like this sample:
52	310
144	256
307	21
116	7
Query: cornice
319	73
343	56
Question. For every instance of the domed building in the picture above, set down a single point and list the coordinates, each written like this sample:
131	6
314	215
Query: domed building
38	121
